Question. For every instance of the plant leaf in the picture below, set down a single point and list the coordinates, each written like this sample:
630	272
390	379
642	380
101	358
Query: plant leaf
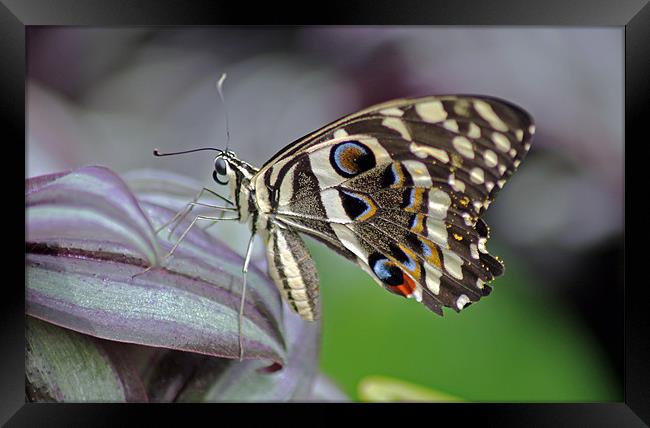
163	188
193	378
324	389
88	236
89	209
62	365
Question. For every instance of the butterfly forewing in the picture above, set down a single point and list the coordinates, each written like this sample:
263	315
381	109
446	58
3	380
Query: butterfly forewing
400	186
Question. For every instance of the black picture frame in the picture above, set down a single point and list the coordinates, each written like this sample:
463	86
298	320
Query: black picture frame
633	15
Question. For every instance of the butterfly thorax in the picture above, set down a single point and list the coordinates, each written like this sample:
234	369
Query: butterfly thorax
239	176
288	260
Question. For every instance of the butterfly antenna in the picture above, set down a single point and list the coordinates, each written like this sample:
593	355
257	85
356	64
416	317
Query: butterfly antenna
225	107
156	152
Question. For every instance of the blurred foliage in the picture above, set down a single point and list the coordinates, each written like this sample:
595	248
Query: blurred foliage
384	389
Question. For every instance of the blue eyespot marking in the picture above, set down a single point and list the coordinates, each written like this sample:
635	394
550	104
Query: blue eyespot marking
357	207
351	158
413	198
385	270
403	258
426	249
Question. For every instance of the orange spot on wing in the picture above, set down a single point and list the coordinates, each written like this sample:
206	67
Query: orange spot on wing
407	288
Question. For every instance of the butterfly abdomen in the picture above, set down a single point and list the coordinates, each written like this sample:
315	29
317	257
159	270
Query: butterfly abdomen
292	269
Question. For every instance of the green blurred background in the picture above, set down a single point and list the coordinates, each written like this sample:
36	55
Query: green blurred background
552	328
516	345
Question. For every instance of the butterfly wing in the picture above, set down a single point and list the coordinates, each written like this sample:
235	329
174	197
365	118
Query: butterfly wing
400	188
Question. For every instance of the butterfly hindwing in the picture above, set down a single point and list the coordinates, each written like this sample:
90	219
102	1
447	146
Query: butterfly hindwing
399	187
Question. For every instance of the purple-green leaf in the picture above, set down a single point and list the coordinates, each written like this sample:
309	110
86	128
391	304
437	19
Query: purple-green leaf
89	209
163	188
88	236
184	377
62	365
324	389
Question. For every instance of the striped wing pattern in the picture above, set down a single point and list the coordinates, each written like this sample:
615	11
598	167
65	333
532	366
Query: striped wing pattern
400	188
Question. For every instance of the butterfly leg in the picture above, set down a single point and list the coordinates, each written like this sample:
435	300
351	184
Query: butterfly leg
191	205
171	252
198	217
214	222
186	210
247	259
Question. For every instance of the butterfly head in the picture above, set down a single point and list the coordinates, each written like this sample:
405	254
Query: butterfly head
223	172
228	168
235	173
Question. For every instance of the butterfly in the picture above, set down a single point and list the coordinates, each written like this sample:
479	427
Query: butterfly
398	188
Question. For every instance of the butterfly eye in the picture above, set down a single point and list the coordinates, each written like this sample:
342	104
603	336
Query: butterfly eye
220	166
220	169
